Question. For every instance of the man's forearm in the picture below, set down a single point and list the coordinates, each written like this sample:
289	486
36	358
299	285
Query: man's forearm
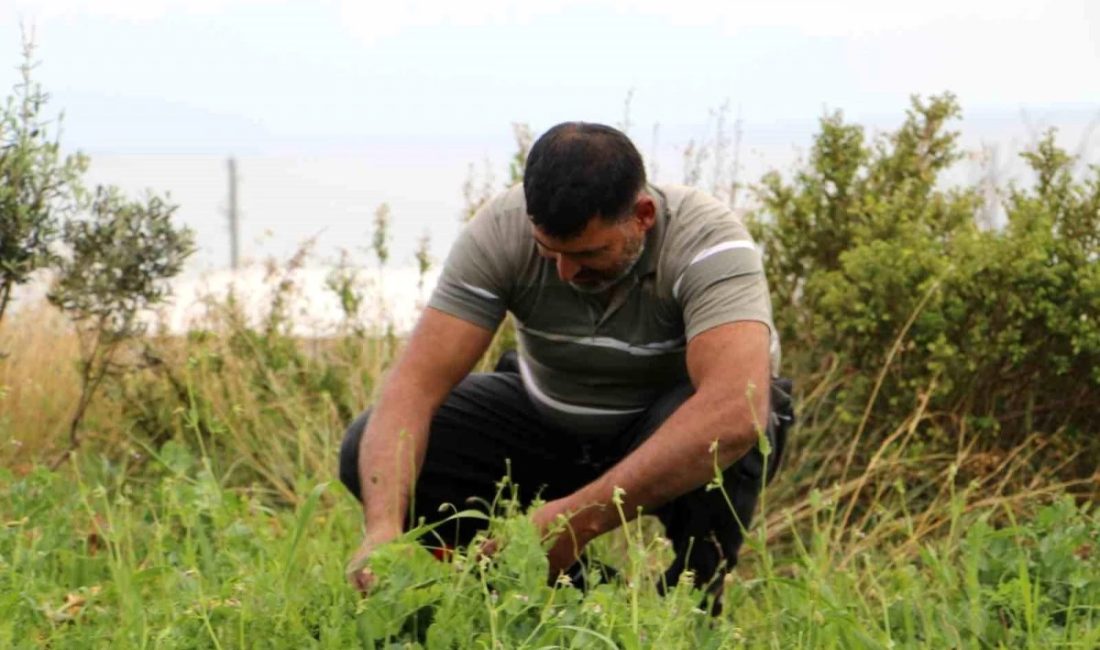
699	439
717	425
441	351
391	452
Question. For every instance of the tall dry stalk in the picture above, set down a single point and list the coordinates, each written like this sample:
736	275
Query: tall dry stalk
37	382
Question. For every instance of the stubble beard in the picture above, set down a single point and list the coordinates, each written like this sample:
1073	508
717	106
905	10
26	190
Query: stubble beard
610	282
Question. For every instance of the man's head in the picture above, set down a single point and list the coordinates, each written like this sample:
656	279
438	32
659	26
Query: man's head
585	190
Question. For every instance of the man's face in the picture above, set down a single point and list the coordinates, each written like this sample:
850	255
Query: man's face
603	253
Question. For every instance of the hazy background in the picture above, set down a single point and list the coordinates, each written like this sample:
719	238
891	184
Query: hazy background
333	107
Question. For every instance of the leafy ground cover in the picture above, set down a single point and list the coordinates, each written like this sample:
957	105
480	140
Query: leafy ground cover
177	559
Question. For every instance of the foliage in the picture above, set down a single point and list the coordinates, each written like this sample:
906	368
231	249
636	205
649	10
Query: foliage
380	242
39	187
423	259
345	282
521	133
180	561
262	404
881	276
118	261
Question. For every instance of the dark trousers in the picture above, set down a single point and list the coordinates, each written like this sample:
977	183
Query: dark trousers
488	428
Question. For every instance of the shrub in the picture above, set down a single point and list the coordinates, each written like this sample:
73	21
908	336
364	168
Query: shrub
39	187
115	269
881	272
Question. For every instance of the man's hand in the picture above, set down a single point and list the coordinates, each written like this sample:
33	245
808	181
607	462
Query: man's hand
554	520
358	568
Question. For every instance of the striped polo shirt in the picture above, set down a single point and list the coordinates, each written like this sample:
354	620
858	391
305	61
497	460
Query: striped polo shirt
592	364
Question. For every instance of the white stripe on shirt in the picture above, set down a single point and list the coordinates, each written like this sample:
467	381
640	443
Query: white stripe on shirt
534	391
478	291
657	348
704	254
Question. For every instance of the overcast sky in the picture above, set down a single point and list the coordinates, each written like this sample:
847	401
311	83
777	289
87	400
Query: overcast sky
334	105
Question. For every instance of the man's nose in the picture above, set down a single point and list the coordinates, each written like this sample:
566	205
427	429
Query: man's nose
567	268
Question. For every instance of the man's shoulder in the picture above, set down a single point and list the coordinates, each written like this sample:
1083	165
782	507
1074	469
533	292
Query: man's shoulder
687	204
674	194
498	230
698	222
501	220
508	204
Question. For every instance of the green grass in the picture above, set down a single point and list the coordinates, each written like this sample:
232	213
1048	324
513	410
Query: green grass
173	558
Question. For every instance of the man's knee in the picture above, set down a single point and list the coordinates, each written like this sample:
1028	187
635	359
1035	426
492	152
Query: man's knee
349	454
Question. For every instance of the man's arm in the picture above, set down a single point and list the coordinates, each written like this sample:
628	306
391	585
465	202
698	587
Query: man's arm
729	367
440	352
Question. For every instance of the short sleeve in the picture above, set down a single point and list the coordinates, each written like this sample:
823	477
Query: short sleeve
475	284
722	284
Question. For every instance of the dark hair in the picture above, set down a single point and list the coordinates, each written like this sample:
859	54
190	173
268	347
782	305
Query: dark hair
577	171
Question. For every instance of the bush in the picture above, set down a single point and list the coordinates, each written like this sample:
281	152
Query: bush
883	275
39	187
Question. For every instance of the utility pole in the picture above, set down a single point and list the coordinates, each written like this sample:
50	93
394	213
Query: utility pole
234	217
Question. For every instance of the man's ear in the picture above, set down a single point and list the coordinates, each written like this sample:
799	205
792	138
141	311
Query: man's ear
645	211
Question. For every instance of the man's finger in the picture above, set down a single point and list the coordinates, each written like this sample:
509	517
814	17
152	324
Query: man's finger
488	548
362	580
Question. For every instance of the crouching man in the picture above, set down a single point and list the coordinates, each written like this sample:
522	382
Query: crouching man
647	357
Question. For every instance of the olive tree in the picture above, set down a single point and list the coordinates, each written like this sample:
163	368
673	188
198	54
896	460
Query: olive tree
119	257
39	187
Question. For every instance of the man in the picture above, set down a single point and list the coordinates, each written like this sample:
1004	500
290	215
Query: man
646	359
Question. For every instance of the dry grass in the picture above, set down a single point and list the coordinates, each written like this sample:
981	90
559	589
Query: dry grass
38	383
269	408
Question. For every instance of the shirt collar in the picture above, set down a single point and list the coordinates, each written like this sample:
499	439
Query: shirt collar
653	239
